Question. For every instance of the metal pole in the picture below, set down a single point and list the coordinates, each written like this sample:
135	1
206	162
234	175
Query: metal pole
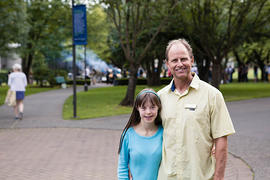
74	69
85	75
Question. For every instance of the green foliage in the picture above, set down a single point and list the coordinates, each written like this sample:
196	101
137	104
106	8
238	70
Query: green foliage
216	28
55	73
79	82
41	73
140	81
241	91
3	77
3	93
13	25
98	30
49	27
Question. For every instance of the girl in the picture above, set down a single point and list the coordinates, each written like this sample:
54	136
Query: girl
140	147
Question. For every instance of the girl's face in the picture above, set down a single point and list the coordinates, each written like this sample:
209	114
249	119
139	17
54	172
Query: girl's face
148	112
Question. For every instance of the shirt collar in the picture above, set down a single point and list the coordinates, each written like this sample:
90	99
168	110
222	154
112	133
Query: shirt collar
194	83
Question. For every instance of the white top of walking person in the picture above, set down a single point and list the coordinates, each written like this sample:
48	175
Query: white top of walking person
17	80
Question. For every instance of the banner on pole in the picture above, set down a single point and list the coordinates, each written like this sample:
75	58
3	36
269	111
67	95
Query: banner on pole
79	25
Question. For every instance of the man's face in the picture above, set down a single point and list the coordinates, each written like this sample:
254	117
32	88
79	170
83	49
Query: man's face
179	62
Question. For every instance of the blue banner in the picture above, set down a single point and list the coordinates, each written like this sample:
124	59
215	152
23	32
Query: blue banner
79	25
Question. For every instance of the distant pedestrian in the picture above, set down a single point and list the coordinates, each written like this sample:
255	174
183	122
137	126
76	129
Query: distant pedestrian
140	146
229	72
17	82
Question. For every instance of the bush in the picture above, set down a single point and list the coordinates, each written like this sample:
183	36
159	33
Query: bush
43	73
79	82
3	77
141	81
55	73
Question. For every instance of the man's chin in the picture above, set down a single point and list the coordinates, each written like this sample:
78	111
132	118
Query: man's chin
181	76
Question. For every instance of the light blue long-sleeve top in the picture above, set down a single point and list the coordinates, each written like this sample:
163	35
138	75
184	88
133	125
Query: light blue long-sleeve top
140	154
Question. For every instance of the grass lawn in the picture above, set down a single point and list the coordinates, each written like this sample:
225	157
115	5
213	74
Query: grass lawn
29	90
102	102
98	102
241	91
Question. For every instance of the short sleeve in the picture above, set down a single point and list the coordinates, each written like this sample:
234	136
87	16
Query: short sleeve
221	123
123	160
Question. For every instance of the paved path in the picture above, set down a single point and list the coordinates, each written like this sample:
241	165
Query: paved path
252	142
43	146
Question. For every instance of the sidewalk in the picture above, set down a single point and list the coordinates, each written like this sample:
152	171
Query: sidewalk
43	146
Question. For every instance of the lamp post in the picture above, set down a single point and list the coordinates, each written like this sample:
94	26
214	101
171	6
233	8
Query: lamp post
74	68
85	75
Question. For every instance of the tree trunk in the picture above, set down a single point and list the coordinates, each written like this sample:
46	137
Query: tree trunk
261	64
28	66
240	64
216	73
27	61
203	69
153	74
129	98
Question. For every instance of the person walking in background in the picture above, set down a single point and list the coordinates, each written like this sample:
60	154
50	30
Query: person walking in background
17	82
141	140
195	119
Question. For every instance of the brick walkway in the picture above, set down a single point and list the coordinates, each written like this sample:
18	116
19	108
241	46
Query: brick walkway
68	150
71	153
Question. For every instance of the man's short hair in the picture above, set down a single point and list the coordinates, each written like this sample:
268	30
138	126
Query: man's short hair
182	41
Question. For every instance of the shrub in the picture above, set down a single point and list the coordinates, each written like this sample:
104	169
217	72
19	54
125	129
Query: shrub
3	77
79	82
141	81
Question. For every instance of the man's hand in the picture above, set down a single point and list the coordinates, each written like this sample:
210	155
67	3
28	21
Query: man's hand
221	157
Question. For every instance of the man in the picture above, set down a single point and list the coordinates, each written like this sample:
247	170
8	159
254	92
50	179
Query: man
195	119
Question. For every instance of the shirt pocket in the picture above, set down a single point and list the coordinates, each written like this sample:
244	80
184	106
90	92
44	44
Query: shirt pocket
198	122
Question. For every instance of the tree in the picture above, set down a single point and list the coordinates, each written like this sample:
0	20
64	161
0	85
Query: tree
130	18
217	27
13	24
257	53
98	31
49	28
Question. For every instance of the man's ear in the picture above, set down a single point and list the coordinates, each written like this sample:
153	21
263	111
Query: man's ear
192	60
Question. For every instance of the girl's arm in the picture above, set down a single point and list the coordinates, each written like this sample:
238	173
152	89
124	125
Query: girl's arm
123	161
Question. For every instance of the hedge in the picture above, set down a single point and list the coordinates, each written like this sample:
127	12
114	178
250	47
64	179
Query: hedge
141	81
79	81
3	77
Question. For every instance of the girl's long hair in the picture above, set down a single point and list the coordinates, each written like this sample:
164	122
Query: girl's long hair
135	118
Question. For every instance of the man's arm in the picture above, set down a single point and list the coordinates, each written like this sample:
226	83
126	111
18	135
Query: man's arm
221	157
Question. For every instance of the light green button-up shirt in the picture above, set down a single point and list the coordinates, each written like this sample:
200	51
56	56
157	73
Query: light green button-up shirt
191	121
